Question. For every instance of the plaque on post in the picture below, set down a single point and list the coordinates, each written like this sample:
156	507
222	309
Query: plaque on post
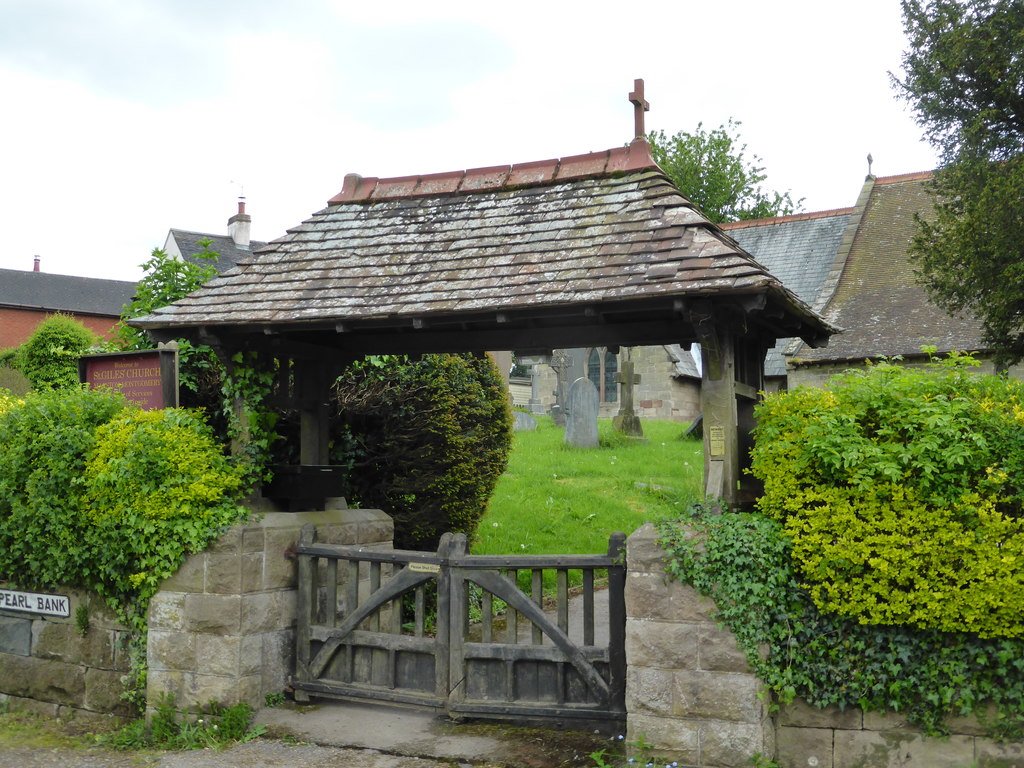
148	378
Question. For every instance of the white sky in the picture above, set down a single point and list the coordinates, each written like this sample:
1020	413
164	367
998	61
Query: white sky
120	119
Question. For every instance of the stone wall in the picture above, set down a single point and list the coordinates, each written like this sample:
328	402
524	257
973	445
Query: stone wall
52	666
692	696
689	691
223	627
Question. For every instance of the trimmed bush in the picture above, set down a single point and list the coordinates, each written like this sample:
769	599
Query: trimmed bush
901	491
49	358
425	441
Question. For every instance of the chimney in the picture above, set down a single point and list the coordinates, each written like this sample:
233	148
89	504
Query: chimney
238	226
35	264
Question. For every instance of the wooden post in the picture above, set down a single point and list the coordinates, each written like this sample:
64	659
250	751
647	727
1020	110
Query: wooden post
718	405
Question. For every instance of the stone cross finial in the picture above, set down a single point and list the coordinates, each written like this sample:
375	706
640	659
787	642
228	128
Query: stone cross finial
640	106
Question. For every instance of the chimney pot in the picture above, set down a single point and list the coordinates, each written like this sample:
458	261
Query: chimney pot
35	264
238	226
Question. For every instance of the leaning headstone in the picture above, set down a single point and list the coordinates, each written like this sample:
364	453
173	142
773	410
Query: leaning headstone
626	421
581	414
523	422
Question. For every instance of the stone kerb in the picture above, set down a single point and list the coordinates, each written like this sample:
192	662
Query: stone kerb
52	666
222	629
689	691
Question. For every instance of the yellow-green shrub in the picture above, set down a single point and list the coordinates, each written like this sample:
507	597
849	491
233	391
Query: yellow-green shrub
901	490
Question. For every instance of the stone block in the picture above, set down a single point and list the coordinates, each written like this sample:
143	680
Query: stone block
167	610
805	747
63	642
223	573
800	714
171	650
873	749
719	651
253	539
213	614
103	689
252	572
218	655
267	612
887	721
22	704
733	744
375	532
661	644
993	754
200	690
250	655
649	690
649	596
229	542
643	553
718	696
15	635
671	738
160	683
278	660
42	679
190	577
279	567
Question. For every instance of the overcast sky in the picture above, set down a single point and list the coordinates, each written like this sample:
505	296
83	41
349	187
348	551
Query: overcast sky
124	118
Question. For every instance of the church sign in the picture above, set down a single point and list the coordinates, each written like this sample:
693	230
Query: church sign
34	602
149	378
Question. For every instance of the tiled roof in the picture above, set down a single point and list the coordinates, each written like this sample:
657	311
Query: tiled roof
44	292
878	302
228	254
592	229
799	250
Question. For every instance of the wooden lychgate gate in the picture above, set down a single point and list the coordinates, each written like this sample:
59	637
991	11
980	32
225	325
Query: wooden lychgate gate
512	637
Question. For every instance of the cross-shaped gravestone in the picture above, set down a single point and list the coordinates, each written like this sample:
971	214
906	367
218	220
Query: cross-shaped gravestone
626	421
640	106
561	362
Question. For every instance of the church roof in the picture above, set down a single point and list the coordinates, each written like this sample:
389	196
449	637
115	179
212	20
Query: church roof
45	292
878	302
597	235
800	250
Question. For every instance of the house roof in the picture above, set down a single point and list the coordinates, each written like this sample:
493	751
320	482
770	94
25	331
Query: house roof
45	292
228	254
585	243
878	301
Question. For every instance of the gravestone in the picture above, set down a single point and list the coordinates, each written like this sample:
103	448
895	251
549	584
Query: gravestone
561	362
581	416
523	422
626	421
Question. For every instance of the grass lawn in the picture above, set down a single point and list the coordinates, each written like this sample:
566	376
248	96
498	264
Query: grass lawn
554	499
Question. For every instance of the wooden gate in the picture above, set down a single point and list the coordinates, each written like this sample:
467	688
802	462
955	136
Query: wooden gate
515	637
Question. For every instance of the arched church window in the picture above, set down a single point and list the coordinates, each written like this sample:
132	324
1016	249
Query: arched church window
602	368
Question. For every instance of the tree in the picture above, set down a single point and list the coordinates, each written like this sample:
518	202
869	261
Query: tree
711	169
964	77
49	357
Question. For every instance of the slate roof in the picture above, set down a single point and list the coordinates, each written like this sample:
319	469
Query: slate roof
878	302
228	254
45	292
604	229
800	250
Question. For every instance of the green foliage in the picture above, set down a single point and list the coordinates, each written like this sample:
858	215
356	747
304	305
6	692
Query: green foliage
426	441
901	490
209	727
166	280
963	75
712	169
98	495
49	358
743	562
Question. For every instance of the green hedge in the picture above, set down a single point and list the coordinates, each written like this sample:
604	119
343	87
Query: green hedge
902	490
97	494
49	357
425	440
